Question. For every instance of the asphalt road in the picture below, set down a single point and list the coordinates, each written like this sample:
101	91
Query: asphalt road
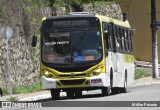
95	99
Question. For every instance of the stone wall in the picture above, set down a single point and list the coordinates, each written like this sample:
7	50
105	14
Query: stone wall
24	70
47	11
113	10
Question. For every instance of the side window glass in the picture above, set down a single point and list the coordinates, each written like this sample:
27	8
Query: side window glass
123	40
108	36
105	31
131	46
128	41
110	39
118	39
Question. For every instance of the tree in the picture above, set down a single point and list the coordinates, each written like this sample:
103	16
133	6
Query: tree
53	8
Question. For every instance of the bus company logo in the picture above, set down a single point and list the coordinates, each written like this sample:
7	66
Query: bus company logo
6	104
20	104
72	75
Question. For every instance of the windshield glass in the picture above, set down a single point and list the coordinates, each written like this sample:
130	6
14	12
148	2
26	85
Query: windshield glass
68	47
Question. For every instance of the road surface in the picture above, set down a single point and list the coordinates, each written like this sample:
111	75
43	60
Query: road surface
135	93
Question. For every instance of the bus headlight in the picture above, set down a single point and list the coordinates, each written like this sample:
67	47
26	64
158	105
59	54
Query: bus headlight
48	75
98	70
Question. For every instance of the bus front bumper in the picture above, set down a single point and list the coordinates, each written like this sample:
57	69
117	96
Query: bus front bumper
102	80
48	83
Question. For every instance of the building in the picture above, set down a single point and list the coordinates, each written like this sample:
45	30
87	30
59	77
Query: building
139	16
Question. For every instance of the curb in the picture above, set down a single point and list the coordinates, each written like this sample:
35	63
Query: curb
40	97
149	83
36	98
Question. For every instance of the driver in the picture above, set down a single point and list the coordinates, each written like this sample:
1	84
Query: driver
92	46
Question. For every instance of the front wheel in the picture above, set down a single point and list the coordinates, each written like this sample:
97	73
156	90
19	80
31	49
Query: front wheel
70	94
78	94
106	91
55	94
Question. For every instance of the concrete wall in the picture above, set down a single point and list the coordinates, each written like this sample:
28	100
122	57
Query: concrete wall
139	12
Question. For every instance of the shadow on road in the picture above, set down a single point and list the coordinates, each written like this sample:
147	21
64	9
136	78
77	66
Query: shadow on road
65	98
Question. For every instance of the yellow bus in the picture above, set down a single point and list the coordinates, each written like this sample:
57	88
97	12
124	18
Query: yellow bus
84	52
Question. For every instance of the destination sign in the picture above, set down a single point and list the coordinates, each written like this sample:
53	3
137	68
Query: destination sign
70	23
73	23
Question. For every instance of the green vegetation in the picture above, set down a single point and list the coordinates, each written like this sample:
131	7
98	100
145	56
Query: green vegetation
25	89
5	91
77	4
102	2
71	3
141	74
12	99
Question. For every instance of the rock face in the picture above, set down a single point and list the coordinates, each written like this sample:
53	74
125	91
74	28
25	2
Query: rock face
24	69
113	10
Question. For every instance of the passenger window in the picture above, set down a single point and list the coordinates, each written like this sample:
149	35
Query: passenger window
108	36
125	40
117	39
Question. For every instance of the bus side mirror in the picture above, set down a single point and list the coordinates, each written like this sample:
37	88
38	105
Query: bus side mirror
34	41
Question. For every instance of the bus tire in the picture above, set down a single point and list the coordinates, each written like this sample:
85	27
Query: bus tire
55	94
70	94
78	94
115	90
106	91
124	89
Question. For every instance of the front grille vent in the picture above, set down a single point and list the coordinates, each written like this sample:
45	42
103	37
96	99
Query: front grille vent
72	82
68	75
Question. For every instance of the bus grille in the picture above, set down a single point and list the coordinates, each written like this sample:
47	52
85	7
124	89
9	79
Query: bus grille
68	75
72	82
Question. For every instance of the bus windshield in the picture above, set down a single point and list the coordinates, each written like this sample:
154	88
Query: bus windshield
71	46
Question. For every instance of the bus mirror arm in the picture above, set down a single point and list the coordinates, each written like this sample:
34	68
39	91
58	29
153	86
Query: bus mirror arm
34	41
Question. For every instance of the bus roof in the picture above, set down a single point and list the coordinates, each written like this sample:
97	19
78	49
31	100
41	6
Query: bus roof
116	22
102	18
68	16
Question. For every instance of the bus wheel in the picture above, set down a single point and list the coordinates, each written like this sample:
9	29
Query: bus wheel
106	91
115	90
55	94
124	89
70	94
78	94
